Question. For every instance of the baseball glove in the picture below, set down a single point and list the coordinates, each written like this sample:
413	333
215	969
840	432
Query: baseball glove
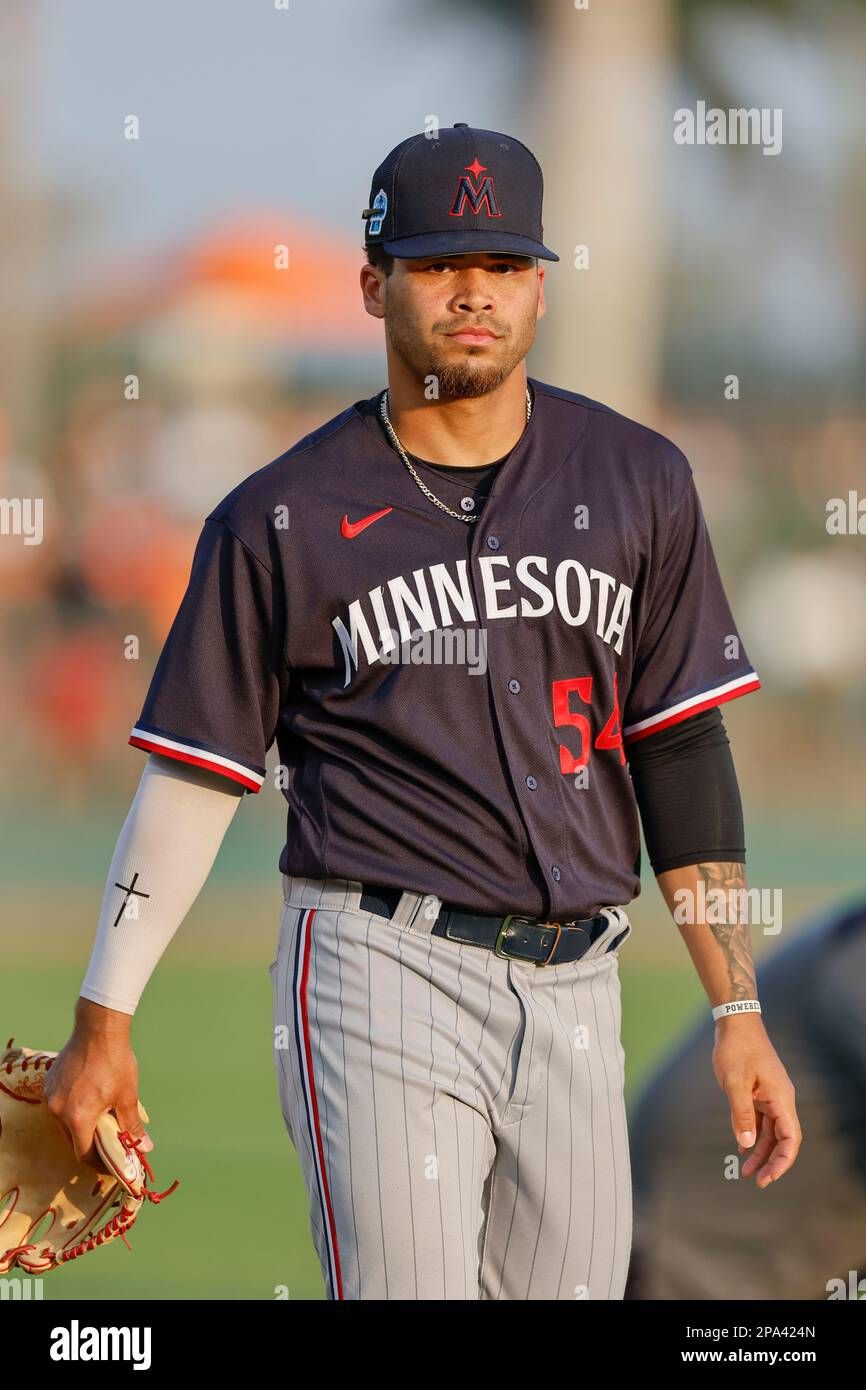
53	1208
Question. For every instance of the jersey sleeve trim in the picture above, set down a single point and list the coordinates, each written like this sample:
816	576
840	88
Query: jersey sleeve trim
719	695
188	751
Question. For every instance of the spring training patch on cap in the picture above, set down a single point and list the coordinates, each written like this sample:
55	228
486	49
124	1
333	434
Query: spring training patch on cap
380	202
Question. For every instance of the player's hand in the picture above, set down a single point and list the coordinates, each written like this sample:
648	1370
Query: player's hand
761	1096
96	1071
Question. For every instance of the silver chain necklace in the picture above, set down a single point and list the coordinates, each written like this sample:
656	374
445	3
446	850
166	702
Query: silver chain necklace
383	411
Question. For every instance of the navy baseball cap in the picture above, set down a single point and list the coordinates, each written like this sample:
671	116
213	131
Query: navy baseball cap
456	191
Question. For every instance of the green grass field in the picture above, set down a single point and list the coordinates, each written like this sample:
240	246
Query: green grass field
237	1228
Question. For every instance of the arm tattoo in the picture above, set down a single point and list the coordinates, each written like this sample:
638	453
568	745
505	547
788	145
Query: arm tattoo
727	883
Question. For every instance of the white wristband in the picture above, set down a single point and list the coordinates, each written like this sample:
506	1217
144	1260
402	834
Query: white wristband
737	1006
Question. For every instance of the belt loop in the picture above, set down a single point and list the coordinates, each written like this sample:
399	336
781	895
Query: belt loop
350	889
426	911
406	909
615	934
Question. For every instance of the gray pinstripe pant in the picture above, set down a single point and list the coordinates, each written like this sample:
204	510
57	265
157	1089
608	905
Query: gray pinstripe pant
459	1117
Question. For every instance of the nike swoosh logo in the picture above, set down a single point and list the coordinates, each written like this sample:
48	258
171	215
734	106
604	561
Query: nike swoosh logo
351	529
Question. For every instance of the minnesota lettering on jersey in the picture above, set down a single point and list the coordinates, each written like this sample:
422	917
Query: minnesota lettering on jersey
442	596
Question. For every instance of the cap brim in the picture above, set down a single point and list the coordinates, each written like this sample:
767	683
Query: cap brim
465	243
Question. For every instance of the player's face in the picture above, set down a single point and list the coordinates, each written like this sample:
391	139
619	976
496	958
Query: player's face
465	320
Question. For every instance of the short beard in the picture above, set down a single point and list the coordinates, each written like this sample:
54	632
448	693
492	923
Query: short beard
461	380
457	380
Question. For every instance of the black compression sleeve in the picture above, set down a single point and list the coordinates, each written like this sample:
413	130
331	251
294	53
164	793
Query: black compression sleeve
687	793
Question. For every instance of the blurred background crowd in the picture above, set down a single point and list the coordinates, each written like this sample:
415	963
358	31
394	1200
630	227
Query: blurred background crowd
704	264
155	350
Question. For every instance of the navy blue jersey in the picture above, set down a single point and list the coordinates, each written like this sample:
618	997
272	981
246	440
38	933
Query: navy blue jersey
453	704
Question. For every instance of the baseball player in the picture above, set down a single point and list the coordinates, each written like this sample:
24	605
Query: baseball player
482	620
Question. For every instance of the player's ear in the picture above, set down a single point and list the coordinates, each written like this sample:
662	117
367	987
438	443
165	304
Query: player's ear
541	304
373	290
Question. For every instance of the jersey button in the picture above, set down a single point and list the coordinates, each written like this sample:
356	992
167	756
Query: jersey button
514	687
492	542
531	783
468	504
555	873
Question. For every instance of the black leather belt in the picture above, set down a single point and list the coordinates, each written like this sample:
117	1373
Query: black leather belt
511	936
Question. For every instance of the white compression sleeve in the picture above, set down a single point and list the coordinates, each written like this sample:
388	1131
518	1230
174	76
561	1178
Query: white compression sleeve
164	853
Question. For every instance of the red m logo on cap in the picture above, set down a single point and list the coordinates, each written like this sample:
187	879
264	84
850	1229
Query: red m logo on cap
468	193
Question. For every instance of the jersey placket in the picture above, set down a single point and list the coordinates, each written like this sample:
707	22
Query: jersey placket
512	684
